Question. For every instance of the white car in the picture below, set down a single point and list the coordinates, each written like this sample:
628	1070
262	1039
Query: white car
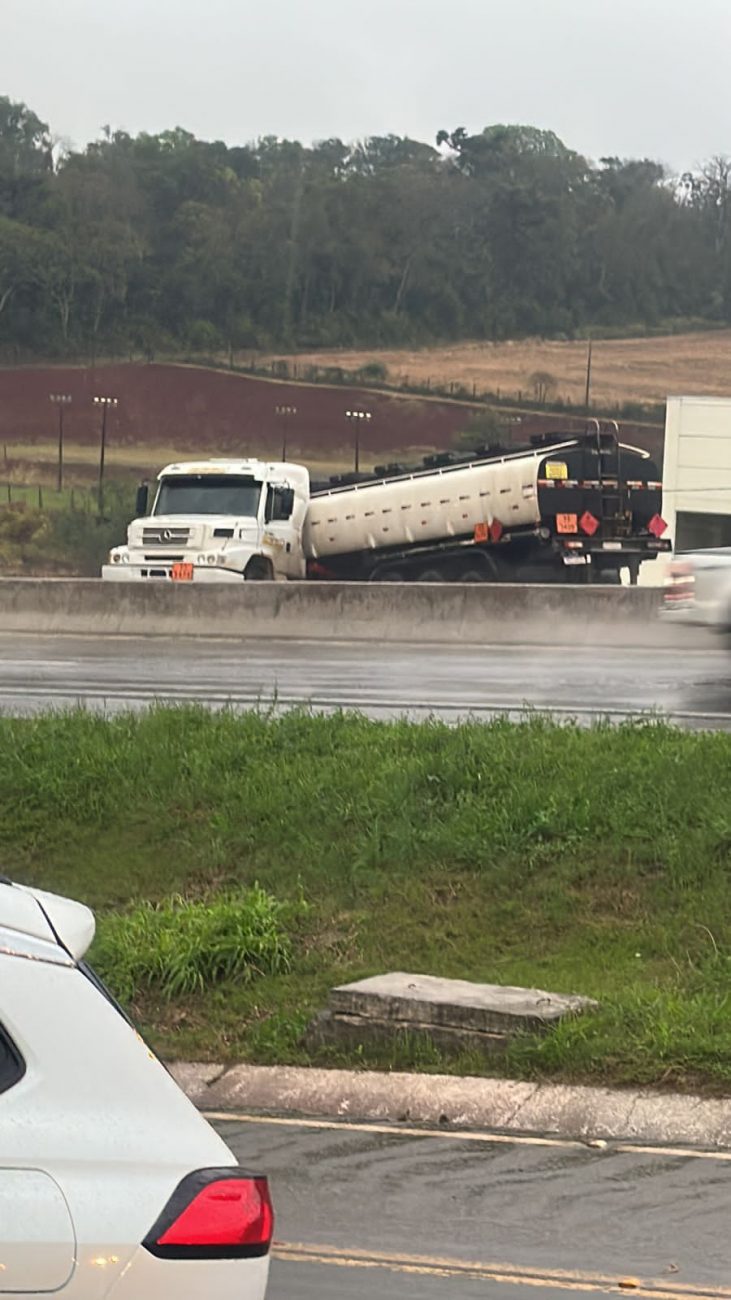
698	589
111	1183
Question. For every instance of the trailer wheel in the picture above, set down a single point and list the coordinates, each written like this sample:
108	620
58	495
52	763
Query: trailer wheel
432	575
389	575
485	571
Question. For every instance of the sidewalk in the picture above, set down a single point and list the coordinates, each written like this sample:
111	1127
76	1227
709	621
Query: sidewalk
504	1104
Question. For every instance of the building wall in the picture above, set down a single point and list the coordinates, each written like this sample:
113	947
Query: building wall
697	471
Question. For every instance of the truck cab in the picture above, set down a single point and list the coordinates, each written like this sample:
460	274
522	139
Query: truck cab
217	521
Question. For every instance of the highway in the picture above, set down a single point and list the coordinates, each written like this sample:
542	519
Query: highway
691	686
364	1214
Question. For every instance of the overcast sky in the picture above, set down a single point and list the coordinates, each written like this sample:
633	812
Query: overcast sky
627	77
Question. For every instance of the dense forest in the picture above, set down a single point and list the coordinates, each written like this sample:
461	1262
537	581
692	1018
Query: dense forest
164	242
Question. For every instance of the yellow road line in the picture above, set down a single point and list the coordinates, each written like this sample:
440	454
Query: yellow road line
464	1135
507	1274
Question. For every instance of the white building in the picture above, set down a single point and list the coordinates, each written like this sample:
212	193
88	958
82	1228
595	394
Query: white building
697	472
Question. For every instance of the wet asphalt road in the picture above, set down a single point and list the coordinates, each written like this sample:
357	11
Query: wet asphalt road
364	1215
691	685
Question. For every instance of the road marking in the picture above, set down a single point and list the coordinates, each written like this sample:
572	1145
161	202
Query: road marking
467	1135
508	1274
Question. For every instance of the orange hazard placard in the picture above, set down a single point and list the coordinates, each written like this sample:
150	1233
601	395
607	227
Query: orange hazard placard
567	524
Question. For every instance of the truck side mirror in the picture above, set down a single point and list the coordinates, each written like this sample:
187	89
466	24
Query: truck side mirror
141	500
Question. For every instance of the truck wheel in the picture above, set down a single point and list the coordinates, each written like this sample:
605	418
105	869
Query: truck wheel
485	571
258	570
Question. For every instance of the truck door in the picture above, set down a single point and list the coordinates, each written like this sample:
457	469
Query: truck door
283	519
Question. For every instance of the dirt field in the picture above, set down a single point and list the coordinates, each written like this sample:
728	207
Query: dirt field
167	411
643	370
189	408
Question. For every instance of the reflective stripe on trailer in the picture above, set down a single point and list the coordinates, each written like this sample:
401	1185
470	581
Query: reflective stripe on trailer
635	484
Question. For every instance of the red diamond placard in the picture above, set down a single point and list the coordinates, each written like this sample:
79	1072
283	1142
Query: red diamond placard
588	523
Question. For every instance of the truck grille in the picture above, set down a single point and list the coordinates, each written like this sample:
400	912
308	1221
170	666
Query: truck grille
165	536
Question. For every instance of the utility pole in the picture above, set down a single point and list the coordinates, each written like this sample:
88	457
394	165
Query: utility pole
356	418
587	395
285	413
61	400
104	403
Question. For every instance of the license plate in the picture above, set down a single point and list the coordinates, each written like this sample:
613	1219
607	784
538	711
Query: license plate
182	573
567	524
611	546
574	559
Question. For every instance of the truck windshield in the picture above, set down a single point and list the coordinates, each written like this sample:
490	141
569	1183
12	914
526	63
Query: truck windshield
208	494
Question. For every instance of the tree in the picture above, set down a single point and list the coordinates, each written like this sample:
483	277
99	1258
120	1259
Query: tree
544	384
23	255
26	159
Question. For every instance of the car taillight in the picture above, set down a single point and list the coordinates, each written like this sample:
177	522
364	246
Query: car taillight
680	582
215	1214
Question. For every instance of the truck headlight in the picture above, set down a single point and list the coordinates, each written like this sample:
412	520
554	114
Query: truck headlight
125	558
212	559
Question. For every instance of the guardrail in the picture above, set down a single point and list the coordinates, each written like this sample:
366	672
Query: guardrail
480	614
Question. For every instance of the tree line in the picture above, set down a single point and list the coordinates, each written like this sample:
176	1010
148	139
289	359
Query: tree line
154	243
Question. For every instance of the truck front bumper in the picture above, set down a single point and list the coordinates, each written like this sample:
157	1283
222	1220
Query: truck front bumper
164	573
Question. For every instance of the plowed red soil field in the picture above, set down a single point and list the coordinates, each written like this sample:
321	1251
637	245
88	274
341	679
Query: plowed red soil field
214	411
210	412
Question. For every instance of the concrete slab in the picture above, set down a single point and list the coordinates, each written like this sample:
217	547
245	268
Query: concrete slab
426	1000
347	1031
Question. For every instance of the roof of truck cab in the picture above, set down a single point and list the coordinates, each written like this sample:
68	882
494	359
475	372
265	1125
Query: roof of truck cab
226	466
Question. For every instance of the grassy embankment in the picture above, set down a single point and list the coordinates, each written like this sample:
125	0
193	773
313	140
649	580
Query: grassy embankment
594	861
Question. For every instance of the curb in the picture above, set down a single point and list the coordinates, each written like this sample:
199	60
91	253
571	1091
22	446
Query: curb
500	1104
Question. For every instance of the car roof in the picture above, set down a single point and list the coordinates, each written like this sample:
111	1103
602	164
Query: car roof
50	917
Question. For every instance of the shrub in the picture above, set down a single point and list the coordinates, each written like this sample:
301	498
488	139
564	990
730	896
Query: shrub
181	946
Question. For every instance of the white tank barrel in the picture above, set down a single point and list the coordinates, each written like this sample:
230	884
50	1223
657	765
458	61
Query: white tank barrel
427	506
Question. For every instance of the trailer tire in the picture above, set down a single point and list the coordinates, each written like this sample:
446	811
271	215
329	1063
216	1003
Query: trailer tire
389	575
432	575
259	569
485	571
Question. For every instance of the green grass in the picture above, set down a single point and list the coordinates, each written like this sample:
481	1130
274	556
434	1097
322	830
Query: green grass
38	496
591	861
184	946
59	537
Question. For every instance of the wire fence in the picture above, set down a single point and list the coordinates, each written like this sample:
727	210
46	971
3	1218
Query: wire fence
38	496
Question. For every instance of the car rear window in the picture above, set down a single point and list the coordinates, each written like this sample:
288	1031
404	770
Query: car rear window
12	1065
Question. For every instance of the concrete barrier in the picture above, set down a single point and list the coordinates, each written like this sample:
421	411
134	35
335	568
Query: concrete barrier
462	614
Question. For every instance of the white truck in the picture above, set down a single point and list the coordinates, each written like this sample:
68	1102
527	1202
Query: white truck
566	507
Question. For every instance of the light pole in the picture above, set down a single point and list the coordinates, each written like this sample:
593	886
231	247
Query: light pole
105	403
285	413
357	419
61	400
